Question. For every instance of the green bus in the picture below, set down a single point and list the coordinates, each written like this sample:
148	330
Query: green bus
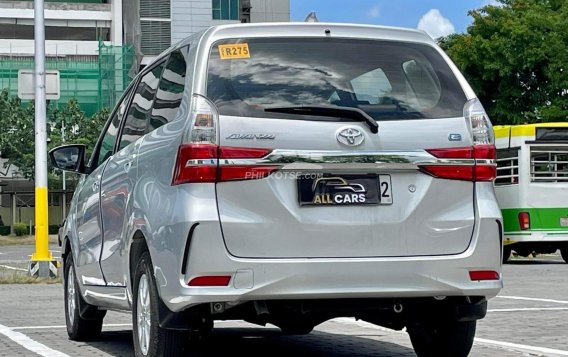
532	188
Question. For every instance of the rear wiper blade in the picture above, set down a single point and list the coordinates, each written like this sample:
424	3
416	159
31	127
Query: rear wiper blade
329	111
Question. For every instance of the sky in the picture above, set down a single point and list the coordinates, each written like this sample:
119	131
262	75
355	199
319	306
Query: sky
436	17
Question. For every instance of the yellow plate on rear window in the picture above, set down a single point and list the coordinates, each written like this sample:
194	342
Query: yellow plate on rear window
234	51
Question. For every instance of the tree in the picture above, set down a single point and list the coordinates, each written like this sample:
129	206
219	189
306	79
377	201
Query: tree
17	137
515	56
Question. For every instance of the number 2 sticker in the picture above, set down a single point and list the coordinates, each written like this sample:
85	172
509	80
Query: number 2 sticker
385	189
234	51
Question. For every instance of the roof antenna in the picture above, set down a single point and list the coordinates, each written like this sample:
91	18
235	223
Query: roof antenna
311	17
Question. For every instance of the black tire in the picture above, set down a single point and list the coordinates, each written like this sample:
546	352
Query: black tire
447	338
84	322
506	254
523	252
296	328
159	341
564	253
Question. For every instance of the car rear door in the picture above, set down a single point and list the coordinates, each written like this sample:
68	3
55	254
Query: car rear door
88	214
120	175
339	189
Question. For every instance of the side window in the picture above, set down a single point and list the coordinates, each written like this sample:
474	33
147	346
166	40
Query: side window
135	122
107	144
372	87
507	167
170	90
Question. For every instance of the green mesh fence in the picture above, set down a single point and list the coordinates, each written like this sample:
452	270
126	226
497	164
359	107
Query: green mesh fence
95	81
116	70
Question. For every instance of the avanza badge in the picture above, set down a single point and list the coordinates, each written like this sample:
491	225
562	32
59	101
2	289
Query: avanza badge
234	51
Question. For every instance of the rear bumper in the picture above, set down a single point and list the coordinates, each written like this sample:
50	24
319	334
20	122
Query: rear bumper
329	278
333	278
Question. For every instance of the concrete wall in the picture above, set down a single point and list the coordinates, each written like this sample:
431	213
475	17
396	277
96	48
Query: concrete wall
62	14
52	48
192	16
270	11
189	17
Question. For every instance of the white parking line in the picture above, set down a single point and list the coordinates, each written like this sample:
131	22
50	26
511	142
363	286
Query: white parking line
30	344
61	326
12	268
529	309
509	345
532	299
45	351
523	348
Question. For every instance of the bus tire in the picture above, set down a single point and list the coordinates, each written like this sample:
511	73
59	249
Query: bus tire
564	253
506	254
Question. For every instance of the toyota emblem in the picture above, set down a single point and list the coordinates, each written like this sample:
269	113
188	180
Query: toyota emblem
350	136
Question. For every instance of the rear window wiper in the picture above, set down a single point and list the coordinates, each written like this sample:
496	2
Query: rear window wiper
329	111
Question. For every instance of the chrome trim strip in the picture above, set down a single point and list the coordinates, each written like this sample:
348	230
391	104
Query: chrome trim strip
201	162
485	162
342	160
343	156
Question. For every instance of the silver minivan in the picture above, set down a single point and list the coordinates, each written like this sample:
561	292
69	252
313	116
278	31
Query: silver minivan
287	174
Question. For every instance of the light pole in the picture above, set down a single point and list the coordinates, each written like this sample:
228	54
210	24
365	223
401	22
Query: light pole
64	182
41	263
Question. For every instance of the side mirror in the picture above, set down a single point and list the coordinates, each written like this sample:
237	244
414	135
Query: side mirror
69	158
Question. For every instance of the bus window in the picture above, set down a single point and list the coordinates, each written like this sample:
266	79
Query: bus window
549	163
507	167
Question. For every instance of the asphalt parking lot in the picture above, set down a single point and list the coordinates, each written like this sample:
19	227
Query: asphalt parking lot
529	318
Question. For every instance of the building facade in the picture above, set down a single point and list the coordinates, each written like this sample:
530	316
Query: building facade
98	46
160	28
75	33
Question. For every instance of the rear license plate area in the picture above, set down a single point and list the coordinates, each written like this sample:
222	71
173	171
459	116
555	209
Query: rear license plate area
344	190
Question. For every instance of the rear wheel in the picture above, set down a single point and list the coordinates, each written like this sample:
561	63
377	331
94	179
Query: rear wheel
149	338
443	338
84	322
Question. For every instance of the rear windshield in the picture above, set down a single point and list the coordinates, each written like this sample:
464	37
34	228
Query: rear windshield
388	80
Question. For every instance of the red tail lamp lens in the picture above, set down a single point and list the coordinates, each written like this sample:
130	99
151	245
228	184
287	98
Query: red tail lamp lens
210	281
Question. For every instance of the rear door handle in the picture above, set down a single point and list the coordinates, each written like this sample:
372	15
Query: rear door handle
127	166
96	186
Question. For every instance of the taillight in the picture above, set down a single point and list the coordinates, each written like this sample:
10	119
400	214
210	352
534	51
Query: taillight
524	221
202	160
480	126
196	163
474	163
211	163
230	169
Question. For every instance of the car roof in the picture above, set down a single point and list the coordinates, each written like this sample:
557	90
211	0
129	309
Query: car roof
313	29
